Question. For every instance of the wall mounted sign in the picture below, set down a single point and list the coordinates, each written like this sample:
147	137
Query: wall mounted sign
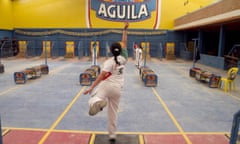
103	11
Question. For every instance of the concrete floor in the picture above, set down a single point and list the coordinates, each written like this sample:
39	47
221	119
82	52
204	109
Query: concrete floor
52	109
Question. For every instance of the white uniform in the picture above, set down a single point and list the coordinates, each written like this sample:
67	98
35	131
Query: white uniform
94	56
110	90
138	57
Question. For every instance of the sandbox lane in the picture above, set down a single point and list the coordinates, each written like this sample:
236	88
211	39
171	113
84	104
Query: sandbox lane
141	107
6	79
45	97
7	83
54	125
174	120
12	65
139	110
197	107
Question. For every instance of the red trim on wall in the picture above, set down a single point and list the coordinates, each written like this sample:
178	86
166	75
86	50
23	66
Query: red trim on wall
156	19
89	17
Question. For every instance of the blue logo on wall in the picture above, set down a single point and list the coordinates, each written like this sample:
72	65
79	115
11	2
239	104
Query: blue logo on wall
123	10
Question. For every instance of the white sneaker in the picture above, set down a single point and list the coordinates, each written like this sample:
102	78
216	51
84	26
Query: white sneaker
97	107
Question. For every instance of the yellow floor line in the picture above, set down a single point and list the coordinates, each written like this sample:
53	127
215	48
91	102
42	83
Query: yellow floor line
56	70
141	139
92	139
10	89
172	117
61	116
105	132
237	98
27	129
5	132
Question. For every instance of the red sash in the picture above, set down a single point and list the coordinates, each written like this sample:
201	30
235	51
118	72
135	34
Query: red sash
108	74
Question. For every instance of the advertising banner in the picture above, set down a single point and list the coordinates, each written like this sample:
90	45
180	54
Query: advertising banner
141	13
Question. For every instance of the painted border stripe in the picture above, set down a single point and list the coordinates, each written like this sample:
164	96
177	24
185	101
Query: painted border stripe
92	139
104	132
10	89
5	132
141	139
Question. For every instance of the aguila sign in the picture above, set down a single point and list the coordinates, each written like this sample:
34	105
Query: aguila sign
122	11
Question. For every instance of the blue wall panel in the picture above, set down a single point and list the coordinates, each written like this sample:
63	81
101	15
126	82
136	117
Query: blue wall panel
5	33
58	49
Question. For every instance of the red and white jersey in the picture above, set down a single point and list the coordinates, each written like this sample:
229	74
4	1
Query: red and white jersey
115	72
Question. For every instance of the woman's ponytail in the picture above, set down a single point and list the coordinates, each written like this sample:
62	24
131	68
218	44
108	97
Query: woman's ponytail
115	58
116	51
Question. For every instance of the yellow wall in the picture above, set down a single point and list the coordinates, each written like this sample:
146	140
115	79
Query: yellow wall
172	9
49	13
6	14
72	14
